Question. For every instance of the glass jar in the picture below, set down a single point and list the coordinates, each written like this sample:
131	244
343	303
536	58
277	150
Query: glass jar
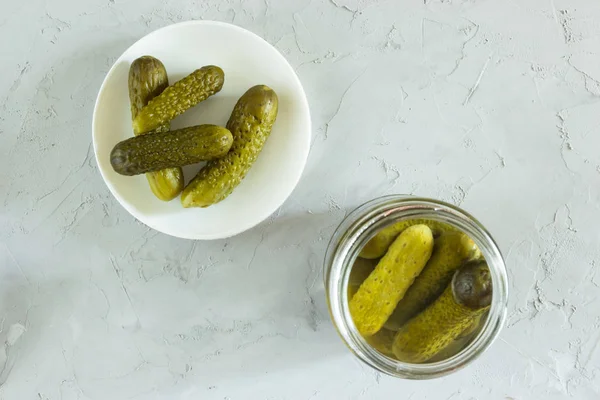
360	226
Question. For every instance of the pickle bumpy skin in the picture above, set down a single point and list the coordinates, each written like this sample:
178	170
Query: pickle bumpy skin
379	294
378	245
359	272
450	251
466	298
250	123
147	79
156	151
181	96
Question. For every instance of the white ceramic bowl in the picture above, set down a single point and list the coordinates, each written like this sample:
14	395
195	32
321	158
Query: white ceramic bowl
247	60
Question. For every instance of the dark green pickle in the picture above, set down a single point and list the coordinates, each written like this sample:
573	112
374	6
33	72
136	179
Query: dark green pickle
156	151
466	298
451	250
147	79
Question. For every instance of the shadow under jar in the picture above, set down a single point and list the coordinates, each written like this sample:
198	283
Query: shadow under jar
380	341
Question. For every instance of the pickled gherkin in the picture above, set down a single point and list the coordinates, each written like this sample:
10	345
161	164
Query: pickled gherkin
451	250
378	245
250	123
361	270
379	294
166	184
156	151
179	97
465	299
147	79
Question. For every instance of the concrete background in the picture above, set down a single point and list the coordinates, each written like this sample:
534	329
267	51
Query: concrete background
491	105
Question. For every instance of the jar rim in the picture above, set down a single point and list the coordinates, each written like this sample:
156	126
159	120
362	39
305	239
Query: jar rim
361	225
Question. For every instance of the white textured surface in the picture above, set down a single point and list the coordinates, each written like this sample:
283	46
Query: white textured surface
492	105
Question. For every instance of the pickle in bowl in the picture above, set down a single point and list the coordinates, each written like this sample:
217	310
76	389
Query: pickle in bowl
148	79
250	124
159	150
178	98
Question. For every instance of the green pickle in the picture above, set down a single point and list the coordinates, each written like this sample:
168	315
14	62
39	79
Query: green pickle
378	245
181	96
466	298
360	271
451	250
379	294
148	79
160	150
250	123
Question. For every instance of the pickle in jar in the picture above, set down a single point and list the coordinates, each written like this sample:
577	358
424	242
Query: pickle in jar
439	306
465	299
379	294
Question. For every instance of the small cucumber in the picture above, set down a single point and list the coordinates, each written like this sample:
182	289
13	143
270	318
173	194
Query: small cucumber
250	123
147	79
379	294
156	151
451	250
181	96
465	299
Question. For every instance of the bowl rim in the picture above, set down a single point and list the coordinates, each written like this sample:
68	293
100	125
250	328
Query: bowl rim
232	232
